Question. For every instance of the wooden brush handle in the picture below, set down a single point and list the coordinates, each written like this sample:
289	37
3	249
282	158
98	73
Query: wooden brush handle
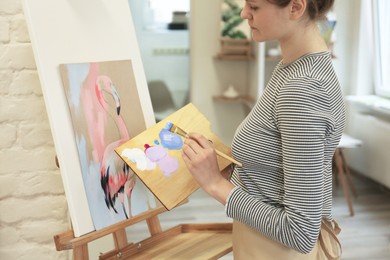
228	157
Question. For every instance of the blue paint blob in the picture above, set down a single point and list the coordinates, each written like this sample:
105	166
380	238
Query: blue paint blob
170	140
156	142
168	125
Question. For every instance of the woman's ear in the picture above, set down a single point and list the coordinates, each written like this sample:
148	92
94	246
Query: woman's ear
297	9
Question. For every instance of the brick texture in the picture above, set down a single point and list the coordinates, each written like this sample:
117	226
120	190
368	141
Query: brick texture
33	206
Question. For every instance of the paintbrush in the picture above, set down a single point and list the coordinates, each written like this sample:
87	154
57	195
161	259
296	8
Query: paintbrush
179	131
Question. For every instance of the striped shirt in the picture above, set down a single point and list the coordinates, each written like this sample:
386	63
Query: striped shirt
286	145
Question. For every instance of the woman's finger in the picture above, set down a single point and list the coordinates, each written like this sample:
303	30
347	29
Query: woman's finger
194	145
201	140
188	150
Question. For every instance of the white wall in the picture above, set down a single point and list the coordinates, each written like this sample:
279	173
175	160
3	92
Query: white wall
346	29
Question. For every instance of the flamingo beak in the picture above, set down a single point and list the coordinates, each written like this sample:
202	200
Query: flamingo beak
117	100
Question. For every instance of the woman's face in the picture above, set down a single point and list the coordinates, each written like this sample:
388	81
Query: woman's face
267	21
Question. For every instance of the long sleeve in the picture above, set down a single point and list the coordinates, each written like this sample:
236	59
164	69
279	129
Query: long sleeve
285	145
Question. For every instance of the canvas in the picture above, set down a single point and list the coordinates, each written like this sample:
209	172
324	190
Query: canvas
155	155
80	32
106	112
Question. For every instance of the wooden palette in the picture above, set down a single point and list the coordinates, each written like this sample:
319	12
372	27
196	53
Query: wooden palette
174	188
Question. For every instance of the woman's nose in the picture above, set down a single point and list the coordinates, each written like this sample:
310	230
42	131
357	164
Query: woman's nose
245	14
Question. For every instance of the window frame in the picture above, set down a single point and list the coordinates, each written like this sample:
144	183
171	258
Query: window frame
382	88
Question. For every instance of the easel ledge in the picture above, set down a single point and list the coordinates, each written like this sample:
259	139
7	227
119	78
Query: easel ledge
185	241
66	240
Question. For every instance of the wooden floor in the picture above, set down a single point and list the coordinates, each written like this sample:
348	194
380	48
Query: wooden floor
365	236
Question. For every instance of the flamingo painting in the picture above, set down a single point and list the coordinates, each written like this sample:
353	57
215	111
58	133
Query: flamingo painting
117	179
106	111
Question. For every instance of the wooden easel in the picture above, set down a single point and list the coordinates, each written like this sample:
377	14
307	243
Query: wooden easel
185	241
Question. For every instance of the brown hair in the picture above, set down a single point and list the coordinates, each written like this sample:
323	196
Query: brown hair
316	9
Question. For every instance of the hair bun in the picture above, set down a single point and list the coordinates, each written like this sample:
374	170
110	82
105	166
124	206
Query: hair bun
317	9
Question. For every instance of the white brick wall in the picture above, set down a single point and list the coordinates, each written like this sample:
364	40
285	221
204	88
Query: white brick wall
32	203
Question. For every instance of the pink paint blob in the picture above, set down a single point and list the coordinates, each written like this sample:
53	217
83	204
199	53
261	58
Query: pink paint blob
168	165
155	153
158	154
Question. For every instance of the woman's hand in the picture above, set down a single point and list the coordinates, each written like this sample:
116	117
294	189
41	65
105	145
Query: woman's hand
201	160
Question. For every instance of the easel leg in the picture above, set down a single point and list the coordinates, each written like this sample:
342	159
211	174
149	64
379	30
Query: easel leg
153	225
80	252
120	239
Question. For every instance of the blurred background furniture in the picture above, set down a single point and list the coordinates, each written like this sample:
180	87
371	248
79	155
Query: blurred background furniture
162	100
342	169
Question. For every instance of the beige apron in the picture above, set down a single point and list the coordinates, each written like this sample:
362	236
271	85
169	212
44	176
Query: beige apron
249	244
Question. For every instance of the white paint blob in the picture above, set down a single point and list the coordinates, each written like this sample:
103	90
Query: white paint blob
138	157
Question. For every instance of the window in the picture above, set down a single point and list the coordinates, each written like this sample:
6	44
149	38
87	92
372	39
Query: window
163	10
381	11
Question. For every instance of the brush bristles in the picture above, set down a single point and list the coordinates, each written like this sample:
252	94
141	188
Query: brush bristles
177	130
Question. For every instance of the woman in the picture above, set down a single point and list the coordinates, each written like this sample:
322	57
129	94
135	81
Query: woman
282	196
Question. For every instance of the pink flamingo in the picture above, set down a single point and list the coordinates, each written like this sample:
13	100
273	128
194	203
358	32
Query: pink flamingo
117	179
